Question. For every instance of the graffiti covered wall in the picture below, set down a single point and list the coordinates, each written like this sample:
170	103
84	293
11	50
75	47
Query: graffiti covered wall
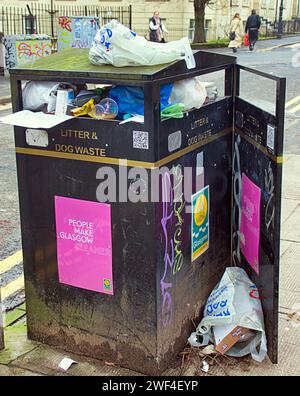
76	32
22	49
32	49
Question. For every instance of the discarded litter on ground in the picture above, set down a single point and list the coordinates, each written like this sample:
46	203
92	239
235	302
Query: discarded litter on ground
66	363
233	319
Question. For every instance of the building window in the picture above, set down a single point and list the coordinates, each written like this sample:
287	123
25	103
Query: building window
264	4
191	31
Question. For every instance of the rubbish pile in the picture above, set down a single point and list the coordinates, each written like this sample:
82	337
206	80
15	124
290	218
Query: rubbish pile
233	318
117	45
208	362
118	102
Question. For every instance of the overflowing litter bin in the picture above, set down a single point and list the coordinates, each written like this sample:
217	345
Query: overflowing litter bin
121	279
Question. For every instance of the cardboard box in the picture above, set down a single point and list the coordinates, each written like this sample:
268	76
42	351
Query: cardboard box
227	336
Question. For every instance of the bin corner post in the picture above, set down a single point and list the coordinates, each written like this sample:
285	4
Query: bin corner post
229	80
280	114
16	92
237	79
152	114
1	326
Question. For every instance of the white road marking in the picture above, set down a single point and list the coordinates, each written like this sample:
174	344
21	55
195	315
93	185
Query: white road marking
297	45
292	101
295	109
11	261
16	284
12	287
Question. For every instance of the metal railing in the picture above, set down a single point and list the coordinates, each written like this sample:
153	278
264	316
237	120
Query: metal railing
269	28
43	18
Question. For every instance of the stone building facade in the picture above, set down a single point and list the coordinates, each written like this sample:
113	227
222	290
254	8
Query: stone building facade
178	15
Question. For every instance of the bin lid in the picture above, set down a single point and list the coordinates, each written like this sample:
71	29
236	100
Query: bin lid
74	62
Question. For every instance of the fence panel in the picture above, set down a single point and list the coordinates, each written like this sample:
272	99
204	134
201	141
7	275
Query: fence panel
13	19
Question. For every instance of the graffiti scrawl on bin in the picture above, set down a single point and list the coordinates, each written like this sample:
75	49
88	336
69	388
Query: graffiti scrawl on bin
171	223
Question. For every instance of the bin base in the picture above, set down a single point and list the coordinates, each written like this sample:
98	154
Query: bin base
100	348
44	325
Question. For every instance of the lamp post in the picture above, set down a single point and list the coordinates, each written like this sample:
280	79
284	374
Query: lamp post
279	33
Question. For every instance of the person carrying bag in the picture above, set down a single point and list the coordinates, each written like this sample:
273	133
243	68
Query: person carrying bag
157	29
236	33
252	28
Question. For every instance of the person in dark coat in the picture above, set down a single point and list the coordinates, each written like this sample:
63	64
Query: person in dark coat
252	27
157	28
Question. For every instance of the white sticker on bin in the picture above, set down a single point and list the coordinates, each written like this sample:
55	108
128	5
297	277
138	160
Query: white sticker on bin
270	136
174	141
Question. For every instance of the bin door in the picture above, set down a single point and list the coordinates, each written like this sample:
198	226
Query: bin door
257	178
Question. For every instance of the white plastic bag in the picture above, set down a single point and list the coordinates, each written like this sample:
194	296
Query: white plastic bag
37	94
41	95
191	92
117	45
234	302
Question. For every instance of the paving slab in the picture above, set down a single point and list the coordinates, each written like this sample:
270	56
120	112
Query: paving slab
288	298
12	316
284	245
45	360
290	229
288	206
7	371
291	180
5	94
16	343
290	269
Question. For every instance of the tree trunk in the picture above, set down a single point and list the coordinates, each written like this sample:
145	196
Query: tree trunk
199	6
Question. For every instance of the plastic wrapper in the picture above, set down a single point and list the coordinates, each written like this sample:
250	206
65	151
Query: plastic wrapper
130	99
41	95
191	92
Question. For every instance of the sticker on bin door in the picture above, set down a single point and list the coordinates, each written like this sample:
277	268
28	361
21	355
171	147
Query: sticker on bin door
84	246
200	222
250	222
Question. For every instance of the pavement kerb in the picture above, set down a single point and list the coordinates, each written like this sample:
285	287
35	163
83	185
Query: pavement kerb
5	100
279	46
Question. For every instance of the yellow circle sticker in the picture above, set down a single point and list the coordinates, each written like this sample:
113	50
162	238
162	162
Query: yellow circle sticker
200	210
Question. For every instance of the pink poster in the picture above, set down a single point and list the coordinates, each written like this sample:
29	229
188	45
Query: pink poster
84	248
250	222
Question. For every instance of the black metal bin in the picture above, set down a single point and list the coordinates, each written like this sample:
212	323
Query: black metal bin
157	286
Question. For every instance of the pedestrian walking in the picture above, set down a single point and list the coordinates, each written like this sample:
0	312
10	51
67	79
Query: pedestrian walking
236	32
252	27
157	28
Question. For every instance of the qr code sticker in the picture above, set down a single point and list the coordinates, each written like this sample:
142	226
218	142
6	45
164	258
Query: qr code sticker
141	140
